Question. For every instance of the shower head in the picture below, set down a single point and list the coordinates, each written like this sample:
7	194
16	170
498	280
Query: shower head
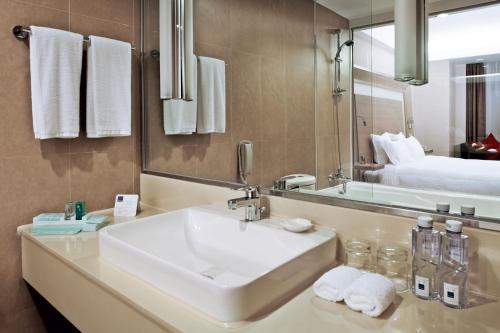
348	42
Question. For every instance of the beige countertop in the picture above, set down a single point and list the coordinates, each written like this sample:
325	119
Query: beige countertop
303	313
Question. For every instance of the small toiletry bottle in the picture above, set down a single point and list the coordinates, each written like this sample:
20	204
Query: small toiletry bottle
425	248
80	209
453	265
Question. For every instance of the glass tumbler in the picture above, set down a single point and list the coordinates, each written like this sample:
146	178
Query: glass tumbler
69	210
358	254
392	262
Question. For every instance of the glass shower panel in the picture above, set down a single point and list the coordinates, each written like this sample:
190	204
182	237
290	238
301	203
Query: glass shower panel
338	167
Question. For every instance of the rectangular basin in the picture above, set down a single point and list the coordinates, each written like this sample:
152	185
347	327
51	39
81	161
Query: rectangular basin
228	269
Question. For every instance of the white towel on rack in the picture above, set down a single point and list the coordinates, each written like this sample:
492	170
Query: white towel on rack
179	116
371	294
109	91
56	68
211	96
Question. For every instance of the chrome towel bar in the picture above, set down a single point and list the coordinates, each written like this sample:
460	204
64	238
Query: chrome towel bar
21	32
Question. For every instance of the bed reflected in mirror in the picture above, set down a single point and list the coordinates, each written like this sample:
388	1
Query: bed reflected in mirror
420	146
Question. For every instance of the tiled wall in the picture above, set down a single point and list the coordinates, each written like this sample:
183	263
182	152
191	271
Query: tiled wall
38	176
268	46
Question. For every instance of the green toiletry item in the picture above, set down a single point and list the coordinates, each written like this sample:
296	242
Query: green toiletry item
80	209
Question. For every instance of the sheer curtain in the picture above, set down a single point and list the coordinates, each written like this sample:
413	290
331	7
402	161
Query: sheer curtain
493	98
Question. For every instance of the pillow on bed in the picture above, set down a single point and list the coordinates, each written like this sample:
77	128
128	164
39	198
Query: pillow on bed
380	155
397	151
415	148
378	149
394	137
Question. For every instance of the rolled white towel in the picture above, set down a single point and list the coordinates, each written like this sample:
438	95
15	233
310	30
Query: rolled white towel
371	294
332	284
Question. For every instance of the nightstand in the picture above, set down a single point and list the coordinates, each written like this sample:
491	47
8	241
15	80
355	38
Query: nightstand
361	168
368	166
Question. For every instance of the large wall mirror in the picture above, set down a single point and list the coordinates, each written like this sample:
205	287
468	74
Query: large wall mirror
310	86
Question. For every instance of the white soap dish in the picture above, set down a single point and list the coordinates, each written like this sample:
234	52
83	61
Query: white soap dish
296	225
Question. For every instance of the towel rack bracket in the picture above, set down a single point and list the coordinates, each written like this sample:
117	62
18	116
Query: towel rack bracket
20	32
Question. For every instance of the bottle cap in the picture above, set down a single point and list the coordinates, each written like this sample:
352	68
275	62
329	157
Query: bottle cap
424	221
467	210
443	207
453	226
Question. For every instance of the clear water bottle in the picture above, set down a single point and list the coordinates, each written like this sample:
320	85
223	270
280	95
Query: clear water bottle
453	265
425	249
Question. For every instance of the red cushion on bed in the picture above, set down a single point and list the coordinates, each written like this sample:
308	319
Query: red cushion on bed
491	142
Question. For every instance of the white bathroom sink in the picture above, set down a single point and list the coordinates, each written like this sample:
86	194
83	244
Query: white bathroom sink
208	258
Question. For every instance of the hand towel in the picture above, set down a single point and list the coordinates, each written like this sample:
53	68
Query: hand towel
179	116
55	68
332	284
109	92
55	230
211	96
371	294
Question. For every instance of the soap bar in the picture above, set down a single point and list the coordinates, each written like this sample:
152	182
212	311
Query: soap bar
48	217
296	225
95	218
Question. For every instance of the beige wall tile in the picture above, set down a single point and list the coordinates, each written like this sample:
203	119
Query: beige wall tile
247	96
300	114
98	177
36	174
245	18
273	161
120	11
90	25
175	159
300	157
216	161
212	22
273	99
272	29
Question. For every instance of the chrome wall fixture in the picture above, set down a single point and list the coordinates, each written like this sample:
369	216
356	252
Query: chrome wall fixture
411	44
176	49
22	32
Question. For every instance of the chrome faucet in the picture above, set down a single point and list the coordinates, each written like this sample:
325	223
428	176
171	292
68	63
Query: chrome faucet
251	202
340	177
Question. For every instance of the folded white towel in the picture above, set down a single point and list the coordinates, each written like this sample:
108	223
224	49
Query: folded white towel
211	96
332	284
371	294
109	88
56	68
179	116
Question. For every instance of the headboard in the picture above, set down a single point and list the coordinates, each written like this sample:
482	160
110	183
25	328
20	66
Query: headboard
376	115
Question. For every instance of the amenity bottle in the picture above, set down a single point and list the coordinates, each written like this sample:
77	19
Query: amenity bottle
453	266
425	248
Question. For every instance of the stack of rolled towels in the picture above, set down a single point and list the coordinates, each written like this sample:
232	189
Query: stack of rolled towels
369	293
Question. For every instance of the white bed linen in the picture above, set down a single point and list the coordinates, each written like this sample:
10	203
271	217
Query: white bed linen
446	174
